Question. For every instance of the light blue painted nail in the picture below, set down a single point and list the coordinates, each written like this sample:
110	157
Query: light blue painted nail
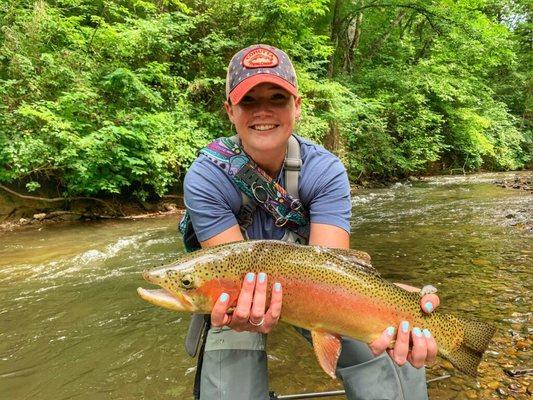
429	306
427	333
250	276
405	326
417	332
224	297
391	330
262	277
277	286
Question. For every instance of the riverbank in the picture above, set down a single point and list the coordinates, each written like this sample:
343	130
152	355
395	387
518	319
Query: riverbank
520	182
18	210
56	217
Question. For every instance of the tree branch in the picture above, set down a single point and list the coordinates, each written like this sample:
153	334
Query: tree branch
426	13
378	43
53	200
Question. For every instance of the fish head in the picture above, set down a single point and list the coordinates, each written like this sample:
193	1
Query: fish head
189	286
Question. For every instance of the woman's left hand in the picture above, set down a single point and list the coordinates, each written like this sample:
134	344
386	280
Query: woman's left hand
424	346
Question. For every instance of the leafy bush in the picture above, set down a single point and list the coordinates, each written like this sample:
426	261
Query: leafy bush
116	97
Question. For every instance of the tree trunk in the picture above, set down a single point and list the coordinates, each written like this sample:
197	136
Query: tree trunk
332	140
354	36
334	37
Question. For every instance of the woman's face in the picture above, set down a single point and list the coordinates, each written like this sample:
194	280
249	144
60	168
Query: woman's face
265	118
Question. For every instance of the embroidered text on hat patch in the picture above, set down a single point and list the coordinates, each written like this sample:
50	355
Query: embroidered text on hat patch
260	58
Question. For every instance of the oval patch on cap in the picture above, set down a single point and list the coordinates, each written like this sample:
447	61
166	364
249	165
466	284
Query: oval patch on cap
260	58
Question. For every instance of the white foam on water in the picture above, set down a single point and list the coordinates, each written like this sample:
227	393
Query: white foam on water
152	242
378	198
89	256
361	200
400	185
46	289
110	251
89	262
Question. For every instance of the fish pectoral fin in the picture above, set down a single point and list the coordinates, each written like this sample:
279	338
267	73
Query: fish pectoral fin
327	349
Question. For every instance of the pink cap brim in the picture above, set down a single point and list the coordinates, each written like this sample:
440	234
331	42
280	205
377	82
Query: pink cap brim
242	88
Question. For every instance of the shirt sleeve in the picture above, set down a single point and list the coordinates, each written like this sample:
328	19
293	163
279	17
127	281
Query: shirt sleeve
330	203
211	199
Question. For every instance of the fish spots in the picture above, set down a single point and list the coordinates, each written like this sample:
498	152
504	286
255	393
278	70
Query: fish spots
328	269
337	289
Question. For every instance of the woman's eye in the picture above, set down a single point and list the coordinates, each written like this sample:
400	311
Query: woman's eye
247	100
279	98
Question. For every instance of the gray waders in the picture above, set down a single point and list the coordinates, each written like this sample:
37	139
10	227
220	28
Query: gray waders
233	365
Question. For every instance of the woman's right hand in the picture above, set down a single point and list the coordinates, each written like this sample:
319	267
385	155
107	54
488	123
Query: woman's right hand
249	314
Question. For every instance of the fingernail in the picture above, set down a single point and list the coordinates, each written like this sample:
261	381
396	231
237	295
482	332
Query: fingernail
405	326
427	333
429	306
224	297
277	286
250	276
417	332
262	277
391	330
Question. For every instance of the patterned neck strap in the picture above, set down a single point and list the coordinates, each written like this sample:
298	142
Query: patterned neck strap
286	210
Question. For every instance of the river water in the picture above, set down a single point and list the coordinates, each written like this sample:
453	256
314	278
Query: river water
73	327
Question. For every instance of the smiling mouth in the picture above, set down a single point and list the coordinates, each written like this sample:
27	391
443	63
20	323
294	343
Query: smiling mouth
264	127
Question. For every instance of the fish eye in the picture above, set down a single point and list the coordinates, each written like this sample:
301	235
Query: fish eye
187	281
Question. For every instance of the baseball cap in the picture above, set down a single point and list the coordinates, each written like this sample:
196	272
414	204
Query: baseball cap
257	64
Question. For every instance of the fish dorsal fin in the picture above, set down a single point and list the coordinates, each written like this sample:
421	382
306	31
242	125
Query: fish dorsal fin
357	257
327	350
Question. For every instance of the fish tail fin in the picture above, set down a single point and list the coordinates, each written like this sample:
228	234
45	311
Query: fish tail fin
465	359
476	336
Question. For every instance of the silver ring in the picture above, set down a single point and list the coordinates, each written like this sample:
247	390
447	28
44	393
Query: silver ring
258	323
428	289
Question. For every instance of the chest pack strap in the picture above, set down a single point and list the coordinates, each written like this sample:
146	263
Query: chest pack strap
263	191
196	336
291	168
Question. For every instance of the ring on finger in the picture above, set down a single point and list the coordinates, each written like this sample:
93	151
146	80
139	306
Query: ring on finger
257	323
230	318
428	289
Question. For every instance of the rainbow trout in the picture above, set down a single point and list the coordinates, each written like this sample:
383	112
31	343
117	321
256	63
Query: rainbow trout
330	292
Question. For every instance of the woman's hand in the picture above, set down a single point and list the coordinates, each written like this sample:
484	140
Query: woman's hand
424	347
250	315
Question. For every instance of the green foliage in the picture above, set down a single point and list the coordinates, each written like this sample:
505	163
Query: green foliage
92	101
435	80
116	96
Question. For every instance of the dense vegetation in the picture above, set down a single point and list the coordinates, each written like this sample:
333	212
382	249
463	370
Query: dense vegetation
116	96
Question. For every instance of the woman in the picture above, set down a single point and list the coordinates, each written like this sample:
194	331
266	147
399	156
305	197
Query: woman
264	104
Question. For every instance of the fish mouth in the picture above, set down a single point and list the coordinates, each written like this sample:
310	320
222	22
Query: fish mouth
163	298
173	300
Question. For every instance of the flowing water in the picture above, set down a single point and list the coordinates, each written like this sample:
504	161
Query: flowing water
73	327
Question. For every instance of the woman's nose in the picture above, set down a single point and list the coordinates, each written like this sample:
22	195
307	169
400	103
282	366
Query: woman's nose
262	108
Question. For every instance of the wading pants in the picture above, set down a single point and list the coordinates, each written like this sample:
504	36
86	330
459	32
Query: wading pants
235	368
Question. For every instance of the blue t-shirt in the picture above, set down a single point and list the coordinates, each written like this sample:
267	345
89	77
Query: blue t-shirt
213	200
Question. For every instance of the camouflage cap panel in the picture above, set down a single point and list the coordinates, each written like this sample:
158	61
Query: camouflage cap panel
259	59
